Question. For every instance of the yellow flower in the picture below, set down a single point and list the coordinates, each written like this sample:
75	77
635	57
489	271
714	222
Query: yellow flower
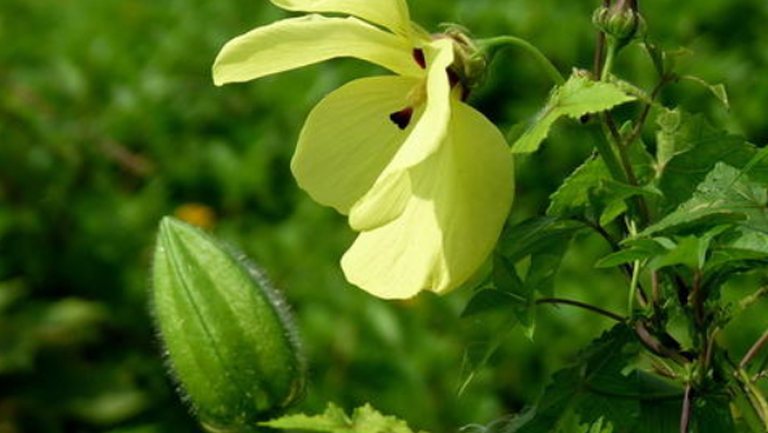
426	179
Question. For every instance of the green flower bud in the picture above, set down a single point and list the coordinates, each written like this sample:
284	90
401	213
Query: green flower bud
619	22
228	335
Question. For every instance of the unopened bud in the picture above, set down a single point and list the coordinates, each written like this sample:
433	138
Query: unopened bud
619	22
227	333
470	64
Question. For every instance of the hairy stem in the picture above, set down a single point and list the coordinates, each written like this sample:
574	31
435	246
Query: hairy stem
582	305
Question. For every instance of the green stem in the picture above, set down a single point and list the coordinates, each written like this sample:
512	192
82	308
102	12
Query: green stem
633	288
610	57
491	44
753	351
606	152
756	397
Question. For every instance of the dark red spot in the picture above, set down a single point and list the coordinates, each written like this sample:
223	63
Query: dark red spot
402	118
418	55
453	77
465	92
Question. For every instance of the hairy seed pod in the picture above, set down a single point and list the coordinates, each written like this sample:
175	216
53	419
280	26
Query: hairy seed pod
228	335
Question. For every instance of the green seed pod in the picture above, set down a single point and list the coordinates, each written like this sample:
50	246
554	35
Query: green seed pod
229	338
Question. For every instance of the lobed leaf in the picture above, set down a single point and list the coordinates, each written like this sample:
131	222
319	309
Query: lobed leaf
334	420
725	196
579	96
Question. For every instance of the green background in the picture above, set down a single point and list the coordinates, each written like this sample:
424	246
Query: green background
109	121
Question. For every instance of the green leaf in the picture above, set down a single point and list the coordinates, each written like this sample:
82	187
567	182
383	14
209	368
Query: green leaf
659	416
508	295
479	351
699	147
595	388
712	414
674	136
613	196
639	249
534	236
363	420
506	279
749	248
718	90
577	97
591	193
725	196
505	291
687	252
572	198
487	300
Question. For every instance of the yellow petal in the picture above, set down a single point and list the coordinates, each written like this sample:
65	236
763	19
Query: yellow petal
348	139
297	42
392	14
461	198
388	196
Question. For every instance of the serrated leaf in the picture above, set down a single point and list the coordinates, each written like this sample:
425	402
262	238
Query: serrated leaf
490	300
712	414
614	195
725	196
659	416
572	197
590	192
718	90
479	352
743	252
593	389
506	279
363	420
702	147
674	136
687	253
640	249
507	294
534	236
577	97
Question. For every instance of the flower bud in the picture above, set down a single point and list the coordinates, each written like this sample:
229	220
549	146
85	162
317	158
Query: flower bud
229	339
619	22
469	65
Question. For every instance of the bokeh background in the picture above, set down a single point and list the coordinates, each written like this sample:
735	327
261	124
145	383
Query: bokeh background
109	121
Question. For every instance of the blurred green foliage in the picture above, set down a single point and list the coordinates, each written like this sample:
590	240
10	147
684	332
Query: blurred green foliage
109	121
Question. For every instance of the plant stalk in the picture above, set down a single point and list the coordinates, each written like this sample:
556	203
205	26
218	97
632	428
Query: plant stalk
754	350
496	43
582	305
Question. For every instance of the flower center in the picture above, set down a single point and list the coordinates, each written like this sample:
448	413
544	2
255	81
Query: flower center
418	94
